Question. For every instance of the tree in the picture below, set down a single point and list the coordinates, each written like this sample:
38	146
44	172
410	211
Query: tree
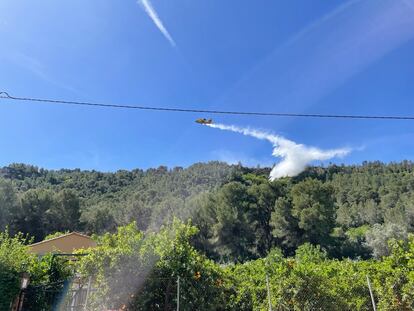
99	218
306	215
263	197
285	226
64	214
313	207
14	259
134	210
139	272
32	215
378	238
231	231
8	203
236	201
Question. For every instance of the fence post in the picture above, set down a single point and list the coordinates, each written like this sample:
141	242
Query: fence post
178	293
87	292
371	294
268	293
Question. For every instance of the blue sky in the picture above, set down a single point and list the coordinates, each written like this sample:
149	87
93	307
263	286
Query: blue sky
348	57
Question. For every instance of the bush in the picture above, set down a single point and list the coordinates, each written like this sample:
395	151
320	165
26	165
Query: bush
14	259
140	272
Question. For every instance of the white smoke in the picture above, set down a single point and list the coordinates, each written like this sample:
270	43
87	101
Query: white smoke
294	157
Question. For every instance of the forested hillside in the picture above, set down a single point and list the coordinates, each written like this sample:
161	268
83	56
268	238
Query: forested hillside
39	202
350	211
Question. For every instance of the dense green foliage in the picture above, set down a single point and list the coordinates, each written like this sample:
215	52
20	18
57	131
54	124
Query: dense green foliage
14	259
39	202
350	211
141	271
310	281
315	236
44	274
134	271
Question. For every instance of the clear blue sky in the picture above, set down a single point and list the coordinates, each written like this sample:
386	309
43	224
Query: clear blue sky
319	56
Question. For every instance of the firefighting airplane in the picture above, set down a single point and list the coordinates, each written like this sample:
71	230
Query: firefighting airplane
204	121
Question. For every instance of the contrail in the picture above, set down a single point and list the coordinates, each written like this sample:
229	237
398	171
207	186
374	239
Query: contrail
294	157
149	9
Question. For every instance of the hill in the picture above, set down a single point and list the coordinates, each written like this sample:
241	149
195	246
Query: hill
350	211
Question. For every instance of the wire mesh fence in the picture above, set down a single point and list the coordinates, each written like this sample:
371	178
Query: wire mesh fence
68	295
197	293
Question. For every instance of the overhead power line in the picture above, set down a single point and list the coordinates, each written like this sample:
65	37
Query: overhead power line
5	95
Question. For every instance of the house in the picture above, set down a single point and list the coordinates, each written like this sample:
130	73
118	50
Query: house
67	243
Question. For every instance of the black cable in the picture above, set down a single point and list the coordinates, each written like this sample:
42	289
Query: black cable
5	95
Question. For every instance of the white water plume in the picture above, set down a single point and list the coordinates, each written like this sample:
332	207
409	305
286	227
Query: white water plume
294	157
